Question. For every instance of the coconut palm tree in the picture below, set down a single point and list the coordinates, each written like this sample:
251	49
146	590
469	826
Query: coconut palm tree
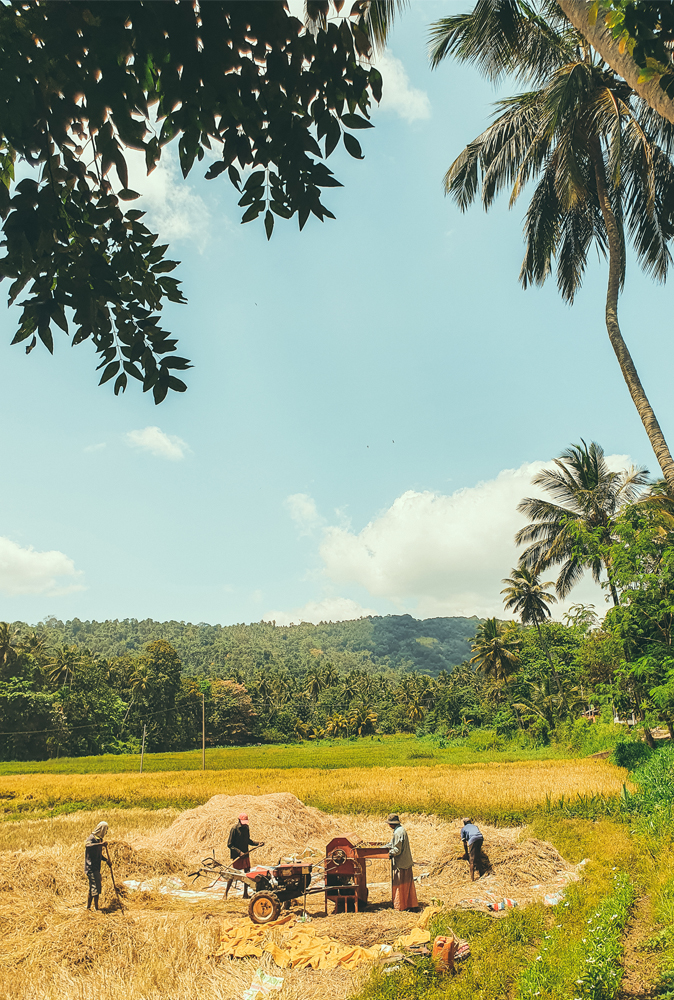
599	153
362	720
10	643
315	684
330	676
337	725
525	594
528	597
496	649
350	687
64	665
586	492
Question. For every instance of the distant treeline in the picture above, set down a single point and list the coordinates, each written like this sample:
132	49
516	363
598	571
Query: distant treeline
73	688
377	643
62	696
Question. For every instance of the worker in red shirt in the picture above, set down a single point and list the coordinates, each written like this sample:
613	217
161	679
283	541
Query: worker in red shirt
239	843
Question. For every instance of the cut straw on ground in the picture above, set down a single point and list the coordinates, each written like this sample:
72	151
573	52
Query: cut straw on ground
159	946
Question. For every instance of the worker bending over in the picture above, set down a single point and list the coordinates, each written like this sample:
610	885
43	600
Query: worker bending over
403	892
93	855
472	845
239	844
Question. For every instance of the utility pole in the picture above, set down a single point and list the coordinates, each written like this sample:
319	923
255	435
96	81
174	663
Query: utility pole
142	749
203	732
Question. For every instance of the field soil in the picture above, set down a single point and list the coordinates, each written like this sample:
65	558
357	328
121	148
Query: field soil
163	946
641	971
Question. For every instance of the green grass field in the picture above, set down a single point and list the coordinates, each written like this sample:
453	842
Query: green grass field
378	751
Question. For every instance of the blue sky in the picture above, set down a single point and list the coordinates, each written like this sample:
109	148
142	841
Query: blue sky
369	399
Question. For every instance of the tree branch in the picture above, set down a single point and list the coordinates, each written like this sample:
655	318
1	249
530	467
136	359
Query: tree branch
601	39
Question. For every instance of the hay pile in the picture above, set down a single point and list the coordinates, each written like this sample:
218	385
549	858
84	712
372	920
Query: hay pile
287	827
521	864
524	870
59	870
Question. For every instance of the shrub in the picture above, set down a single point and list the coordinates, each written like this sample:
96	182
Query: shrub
630	754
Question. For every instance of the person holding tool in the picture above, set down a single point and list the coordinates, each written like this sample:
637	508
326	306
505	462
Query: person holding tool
239	844
403	891
472	846
93	855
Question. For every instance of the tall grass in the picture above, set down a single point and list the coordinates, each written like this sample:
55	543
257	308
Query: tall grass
589	969
493	792
499	948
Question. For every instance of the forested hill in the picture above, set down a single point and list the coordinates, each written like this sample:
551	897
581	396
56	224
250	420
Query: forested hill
396	641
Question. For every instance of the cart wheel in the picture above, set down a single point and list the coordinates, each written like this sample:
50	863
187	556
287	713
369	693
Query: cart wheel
264	907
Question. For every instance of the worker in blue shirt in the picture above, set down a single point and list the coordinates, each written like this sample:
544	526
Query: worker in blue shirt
472	845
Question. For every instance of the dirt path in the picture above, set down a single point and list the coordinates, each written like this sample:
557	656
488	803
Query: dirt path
641	974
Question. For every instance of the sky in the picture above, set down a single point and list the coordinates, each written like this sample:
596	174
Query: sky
369	399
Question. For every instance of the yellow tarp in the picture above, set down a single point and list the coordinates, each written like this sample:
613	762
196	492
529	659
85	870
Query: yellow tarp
305	948
244	939
416	936
302	949
427	916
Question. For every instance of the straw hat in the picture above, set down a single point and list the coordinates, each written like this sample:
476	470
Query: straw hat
393	819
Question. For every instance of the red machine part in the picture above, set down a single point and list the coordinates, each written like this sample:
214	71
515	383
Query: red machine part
346	871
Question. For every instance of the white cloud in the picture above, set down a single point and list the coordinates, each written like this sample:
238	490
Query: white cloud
95	447
331	609
432	554
303	511
172	207
158	443
25	571
398	93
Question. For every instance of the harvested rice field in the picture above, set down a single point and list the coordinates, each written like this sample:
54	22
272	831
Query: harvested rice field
495	791
163	945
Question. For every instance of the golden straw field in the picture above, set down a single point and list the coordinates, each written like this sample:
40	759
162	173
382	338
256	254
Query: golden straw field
487	790
160	947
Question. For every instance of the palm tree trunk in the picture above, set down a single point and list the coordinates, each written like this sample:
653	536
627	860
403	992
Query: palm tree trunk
552	665
617	56
616	258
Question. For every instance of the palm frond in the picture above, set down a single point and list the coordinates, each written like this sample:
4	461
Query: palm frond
462	180
541	230
380	17
377	16
501	37
578	229
540	509
571	573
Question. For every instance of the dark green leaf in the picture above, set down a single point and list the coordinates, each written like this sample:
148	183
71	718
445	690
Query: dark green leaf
353	146
355	121
109	372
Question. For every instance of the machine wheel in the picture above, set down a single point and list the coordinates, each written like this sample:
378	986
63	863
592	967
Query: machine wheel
264	907
338	857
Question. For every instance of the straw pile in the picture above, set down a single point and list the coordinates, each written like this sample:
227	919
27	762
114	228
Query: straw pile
286	825
523	870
